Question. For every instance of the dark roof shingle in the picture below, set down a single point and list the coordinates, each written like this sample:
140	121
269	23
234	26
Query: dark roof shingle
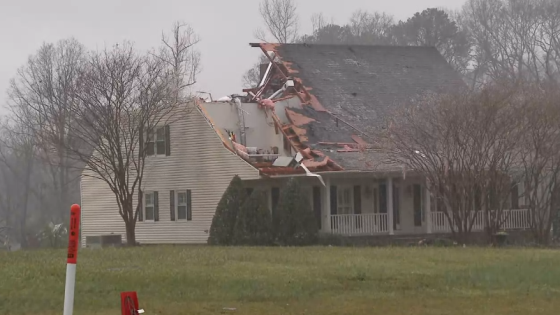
362	85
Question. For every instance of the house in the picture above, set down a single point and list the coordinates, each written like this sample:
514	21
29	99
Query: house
318	102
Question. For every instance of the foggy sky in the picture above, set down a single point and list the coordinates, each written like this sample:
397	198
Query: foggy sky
224	26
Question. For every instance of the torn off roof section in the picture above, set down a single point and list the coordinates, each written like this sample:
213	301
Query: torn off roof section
349	92
363	84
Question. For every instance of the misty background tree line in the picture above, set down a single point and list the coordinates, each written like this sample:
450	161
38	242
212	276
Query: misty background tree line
484	41
66	100
72	110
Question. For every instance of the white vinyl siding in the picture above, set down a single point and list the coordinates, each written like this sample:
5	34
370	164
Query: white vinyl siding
199	161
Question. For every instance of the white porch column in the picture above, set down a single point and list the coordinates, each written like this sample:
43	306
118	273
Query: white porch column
390	205
326	206
428	209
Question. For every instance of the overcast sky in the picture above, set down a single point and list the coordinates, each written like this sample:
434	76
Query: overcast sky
224	26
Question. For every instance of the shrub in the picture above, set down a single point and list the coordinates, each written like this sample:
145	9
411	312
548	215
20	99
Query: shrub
223	222
53	235
254	224
294	221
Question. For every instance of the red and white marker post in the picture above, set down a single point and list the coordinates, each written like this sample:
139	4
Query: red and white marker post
73	243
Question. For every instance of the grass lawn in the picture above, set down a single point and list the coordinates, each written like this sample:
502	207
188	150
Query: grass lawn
319	280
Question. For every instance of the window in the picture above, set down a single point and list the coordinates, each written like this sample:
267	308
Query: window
159	141
151	206
181	205
345	200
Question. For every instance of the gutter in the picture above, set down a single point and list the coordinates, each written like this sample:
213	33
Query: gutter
383	173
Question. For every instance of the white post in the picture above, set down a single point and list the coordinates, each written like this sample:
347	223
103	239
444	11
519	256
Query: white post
72	258
69	288
390	205
326	208
428	211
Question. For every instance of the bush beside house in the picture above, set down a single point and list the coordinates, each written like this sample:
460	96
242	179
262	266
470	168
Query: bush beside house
294	222
254	224
223	223
247	221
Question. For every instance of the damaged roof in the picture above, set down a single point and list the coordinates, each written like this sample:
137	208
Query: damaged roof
363	84
352	90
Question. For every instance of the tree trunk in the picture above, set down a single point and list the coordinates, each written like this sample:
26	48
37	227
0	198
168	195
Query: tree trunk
130	223
130	233
26	193
63	201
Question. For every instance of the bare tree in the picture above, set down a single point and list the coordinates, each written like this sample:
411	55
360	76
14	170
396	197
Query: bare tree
540	158
318	21
464	144
371	28
180	55
40	98
434	27
281	20
125	100
252	77
17	160
515	39
122	96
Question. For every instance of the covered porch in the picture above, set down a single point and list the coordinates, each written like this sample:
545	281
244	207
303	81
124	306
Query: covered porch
363	204
359	206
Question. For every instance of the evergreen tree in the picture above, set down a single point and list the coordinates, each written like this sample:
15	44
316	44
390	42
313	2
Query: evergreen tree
223	222
294	221
254	223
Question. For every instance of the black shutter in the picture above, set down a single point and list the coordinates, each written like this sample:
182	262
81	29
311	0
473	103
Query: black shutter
189	205
357	199
167	140
382	198
172	205
140	206
334	200
417	204
396	207
317	205
156	206
334	205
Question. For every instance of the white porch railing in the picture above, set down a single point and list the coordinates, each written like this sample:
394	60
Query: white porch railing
512	219
359	224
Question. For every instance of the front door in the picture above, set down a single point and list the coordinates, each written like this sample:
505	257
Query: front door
345	200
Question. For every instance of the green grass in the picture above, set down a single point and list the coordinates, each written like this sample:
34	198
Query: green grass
320	280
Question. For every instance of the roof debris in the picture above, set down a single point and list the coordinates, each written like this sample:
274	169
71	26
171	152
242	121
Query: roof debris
348	105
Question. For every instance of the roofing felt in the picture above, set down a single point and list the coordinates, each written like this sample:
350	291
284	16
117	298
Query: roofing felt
362	86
